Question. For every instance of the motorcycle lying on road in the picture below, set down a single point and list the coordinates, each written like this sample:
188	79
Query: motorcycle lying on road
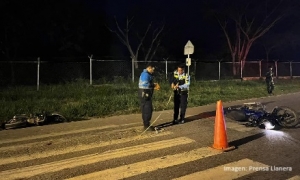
23	120
255	115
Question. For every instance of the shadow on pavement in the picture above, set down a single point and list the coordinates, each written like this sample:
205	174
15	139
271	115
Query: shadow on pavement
245	140
203	115
190	118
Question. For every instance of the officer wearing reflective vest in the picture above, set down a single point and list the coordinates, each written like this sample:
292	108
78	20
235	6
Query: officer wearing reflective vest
180	85
146	89
270	80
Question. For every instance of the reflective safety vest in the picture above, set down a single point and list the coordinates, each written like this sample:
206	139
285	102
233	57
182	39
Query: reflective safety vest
181	79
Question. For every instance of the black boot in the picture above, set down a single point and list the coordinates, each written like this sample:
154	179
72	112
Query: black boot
175	121
182	121
149	128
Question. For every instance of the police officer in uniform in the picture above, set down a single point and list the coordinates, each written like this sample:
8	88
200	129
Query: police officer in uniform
145	92
269	80
180	85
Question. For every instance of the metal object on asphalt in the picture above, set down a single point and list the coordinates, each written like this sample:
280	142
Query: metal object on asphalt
23	120
255	115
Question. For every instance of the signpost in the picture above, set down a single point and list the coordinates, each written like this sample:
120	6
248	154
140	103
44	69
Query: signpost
188	49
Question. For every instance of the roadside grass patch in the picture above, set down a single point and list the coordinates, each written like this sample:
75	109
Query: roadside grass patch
79	100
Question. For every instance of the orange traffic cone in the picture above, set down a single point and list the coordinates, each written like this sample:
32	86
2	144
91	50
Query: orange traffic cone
220	136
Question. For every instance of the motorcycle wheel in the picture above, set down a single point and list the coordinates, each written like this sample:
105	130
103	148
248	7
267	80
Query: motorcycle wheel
287	117
58	118
236	115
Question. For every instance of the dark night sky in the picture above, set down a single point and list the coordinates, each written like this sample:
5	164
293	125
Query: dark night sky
182	18
185	20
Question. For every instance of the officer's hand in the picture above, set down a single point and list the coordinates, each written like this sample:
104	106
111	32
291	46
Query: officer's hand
175	87
156	86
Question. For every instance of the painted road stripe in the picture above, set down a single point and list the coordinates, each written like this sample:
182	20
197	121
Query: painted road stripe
228	171
149	165
294	178
93	158
61	133
57	140
75	148
238	127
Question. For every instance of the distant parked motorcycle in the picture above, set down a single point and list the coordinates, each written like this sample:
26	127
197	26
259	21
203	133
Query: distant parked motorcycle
255	115
23	120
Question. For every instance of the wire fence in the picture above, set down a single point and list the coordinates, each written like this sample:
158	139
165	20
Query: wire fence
97	71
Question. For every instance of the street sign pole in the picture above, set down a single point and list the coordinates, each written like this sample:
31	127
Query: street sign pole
188	49
188	64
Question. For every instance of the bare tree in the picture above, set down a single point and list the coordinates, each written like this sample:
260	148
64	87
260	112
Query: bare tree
134	46
277	41
243	24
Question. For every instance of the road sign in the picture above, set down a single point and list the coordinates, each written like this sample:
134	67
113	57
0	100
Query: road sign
188	62
188	48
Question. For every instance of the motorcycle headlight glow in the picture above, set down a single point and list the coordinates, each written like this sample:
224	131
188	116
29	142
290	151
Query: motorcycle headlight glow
268	125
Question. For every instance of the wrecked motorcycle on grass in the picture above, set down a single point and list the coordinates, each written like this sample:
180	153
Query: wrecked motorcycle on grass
255	115
23	120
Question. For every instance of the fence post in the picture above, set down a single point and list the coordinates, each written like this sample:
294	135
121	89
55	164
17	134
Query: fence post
241	69
260	68
166	67
276	69
220	69
195	68
91	69
38	74
291	70
132	68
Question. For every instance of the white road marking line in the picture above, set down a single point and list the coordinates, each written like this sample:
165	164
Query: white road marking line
228	171
295	178
73	149
93	158
60	133
149	165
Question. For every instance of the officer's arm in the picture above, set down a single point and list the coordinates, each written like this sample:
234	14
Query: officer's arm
150	80
187	83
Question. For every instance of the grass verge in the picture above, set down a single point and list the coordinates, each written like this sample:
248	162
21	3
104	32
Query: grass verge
78	100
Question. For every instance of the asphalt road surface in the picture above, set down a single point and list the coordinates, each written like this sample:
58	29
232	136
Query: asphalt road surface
116	148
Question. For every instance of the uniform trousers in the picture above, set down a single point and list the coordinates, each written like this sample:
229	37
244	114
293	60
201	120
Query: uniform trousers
146	107
180	102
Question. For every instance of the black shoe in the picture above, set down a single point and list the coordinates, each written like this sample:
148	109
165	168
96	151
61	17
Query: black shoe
151	128
175	121
181	121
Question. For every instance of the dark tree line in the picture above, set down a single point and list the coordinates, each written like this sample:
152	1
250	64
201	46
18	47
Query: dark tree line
51	28
219	29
